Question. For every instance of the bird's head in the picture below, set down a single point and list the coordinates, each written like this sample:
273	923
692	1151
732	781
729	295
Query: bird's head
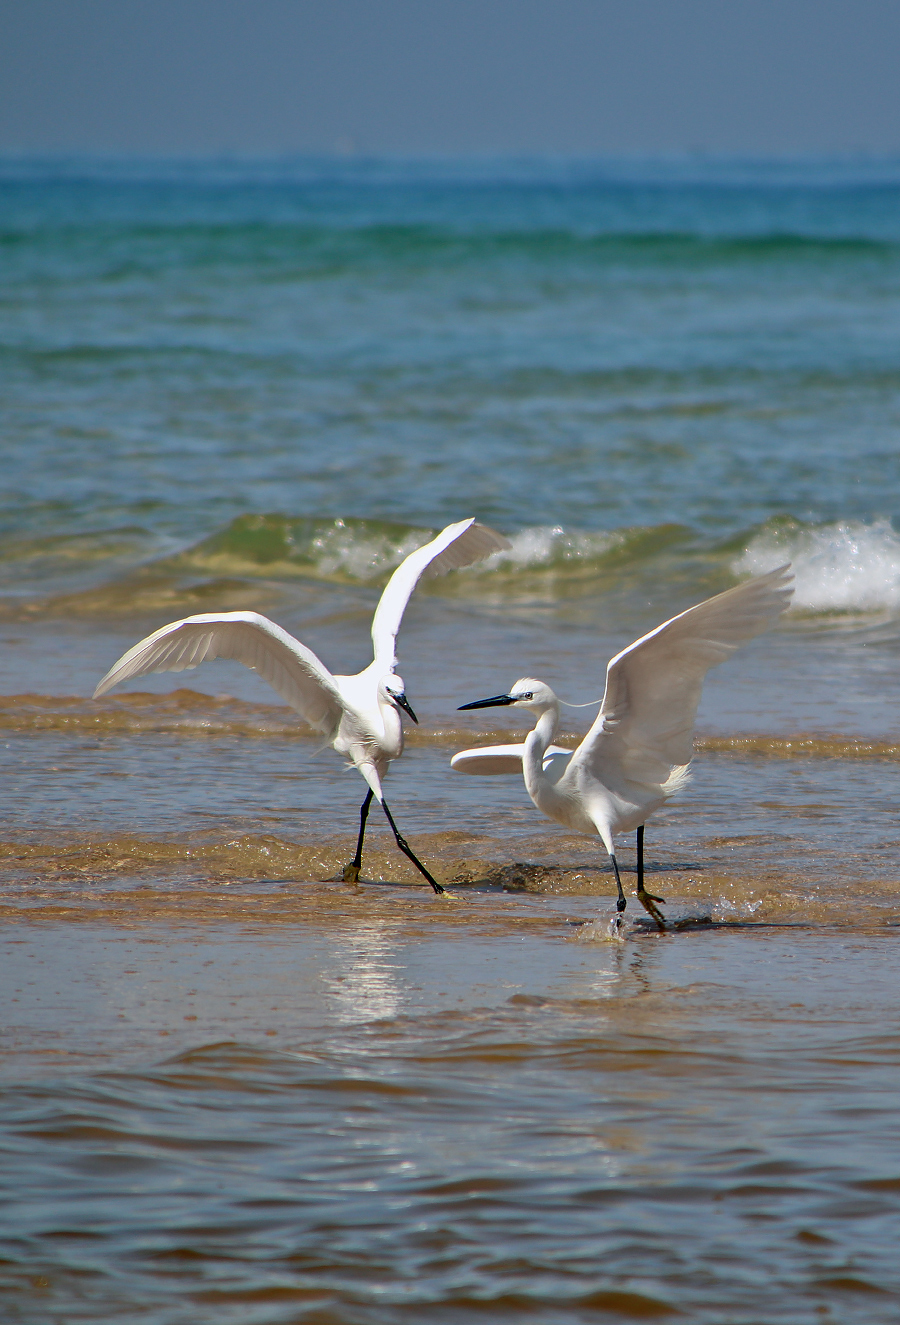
392	691
527	693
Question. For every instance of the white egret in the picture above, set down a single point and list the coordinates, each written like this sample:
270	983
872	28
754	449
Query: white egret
358	715
636	755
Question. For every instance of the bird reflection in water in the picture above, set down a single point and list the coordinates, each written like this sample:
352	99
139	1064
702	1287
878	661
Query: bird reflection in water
368	988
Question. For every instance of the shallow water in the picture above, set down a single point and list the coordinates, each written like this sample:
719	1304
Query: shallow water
234	1089
373	1119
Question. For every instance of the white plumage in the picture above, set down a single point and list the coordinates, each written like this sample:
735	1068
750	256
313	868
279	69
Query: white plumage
637	752
359	715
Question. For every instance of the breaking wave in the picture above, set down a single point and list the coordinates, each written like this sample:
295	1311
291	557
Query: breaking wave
351	550
366	551
846	567
842	568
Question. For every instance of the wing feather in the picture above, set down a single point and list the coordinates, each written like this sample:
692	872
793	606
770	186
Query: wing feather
290	668
498	760
456	546
645	727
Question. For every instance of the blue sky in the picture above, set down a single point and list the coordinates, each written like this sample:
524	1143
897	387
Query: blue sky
450	76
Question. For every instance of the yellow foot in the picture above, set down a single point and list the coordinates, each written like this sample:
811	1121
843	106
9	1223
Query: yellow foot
648	902
351	873
448	896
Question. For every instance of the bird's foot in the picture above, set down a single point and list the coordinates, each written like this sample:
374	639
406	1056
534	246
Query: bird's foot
648	902
351	873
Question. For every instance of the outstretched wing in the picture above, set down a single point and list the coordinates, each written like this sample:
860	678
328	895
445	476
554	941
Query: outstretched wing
495	760
645	726
289	667
456	546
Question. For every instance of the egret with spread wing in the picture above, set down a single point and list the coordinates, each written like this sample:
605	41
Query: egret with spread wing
636	755
358	715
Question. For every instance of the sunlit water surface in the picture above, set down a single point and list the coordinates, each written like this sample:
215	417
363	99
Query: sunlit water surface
236	1089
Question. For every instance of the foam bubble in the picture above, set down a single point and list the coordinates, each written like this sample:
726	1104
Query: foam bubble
343	551
273	545
843	567
547	545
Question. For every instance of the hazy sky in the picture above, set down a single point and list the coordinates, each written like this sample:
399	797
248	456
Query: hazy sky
450	76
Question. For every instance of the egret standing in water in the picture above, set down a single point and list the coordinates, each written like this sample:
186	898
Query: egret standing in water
636	755
358	715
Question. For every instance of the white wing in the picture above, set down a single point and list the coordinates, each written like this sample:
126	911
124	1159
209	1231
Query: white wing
645	725
491	760
289	667
456	546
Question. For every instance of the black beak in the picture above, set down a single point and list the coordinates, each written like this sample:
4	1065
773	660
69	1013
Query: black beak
496	702
403	703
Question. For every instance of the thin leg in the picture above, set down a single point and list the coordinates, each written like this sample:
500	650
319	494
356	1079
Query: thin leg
647	900
620	900
407	851
351	871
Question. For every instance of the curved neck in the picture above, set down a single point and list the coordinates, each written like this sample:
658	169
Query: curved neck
391	724
536	743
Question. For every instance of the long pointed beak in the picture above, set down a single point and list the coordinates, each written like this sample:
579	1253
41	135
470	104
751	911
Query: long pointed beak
402	702
495	702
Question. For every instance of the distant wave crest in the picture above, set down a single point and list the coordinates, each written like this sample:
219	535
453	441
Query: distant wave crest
316	249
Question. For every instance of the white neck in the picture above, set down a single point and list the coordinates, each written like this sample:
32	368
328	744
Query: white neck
536	743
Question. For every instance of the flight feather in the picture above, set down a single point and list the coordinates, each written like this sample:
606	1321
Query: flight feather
456	546
645	725
291	669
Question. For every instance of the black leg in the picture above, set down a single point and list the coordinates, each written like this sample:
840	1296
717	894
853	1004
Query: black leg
620	900
351	871
405	848
647	900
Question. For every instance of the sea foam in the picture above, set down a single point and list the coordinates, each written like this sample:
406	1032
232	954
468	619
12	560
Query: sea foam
547	545
844	567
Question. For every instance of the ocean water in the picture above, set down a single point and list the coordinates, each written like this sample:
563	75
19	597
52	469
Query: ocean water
234	1089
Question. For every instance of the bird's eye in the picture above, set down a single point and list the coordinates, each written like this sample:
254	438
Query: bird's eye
529	695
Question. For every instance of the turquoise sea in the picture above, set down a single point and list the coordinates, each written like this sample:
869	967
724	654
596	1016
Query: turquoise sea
236	1090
